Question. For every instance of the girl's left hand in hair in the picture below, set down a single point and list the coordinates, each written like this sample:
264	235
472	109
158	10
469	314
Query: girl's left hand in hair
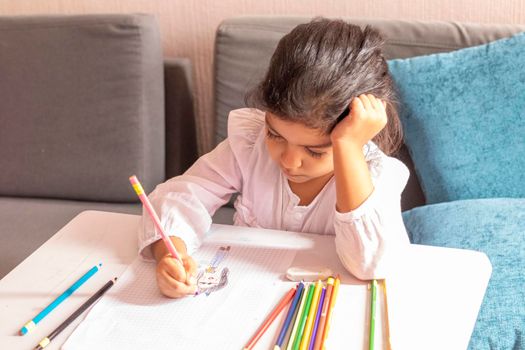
366	119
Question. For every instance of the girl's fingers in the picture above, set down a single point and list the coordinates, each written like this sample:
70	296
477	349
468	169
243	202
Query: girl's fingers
173	288
191	271
366	101
376	102
174	268
356	105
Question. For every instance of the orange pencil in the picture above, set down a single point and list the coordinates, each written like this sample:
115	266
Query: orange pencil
284	301
324	312
330	311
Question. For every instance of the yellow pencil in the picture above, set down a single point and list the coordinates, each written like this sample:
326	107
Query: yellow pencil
387	323
330	311
311	316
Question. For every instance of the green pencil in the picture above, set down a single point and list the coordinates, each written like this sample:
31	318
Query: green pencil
373	300
302	322
302	303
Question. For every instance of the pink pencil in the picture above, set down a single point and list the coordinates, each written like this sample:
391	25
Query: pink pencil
147	204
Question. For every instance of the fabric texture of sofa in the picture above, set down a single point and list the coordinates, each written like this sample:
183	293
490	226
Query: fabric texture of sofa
83	108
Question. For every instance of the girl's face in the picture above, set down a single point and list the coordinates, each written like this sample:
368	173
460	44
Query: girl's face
302	153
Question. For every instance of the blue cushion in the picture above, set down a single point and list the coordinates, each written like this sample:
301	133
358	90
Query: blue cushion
497	228
463	114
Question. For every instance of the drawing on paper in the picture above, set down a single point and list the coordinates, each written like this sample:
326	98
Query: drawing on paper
212	278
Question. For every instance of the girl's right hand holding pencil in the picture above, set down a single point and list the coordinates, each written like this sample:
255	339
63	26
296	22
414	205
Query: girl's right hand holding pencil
175	280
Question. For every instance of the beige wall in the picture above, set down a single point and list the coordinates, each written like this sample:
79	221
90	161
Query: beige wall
188	27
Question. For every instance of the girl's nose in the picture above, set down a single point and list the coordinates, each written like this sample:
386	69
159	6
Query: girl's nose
291	158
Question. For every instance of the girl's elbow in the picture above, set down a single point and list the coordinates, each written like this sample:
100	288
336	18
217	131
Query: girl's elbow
365	271
364	267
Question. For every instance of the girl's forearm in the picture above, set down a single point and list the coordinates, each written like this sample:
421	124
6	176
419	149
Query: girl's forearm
159	248
352	178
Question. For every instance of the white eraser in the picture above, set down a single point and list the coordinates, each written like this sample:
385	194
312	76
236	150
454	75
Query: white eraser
308	273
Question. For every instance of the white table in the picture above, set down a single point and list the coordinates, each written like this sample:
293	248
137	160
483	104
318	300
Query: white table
433	297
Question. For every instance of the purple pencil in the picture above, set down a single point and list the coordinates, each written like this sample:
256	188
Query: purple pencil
317	317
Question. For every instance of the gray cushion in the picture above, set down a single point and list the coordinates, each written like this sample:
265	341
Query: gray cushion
25	224
224	216
244	46
181	130
82	106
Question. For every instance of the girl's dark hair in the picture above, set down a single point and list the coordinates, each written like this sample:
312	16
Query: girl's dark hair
318	68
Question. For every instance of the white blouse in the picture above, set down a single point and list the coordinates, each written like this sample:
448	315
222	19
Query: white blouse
364	237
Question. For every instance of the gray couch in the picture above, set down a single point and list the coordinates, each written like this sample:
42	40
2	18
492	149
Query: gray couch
82	107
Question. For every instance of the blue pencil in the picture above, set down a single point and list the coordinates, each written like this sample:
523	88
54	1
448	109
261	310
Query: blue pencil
32	324
289	316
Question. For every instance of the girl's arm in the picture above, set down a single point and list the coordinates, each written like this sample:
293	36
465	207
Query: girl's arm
185	203
368	222
352	178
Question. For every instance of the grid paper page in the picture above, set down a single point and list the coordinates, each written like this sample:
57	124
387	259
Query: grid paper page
134	315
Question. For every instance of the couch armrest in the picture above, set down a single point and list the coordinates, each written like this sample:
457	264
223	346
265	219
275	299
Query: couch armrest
181	132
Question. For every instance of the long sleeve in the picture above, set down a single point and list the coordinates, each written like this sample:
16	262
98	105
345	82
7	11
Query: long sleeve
367	237
185	203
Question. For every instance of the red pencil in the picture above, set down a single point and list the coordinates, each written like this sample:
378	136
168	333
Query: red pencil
285	300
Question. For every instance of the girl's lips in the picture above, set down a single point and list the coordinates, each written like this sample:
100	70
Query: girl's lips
288	174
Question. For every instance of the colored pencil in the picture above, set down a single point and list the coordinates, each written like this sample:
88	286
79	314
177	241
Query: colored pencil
273	315
297	318
333	299
292	322
373	300
302	321
29	326
311	316
289	316
317	318
387	322
149	208
324	312
45	342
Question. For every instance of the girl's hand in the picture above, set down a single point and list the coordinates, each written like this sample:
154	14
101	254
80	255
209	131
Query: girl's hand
366	119
176	280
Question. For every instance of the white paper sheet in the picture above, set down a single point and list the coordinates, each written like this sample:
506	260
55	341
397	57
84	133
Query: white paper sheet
134	315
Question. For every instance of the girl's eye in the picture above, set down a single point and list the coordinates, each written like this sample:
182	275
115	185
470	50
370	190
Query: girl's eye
272	135
314	154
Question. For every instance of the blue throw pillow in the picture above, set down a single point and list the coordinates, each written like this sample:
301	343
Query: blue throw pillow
497	228
463	114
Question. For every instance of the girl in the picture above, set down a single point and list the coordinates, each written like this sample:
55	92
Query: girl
301	159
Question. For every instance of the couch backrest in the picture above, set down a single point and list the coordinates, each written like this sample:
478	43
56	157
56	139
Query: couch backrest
81	106
244	45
